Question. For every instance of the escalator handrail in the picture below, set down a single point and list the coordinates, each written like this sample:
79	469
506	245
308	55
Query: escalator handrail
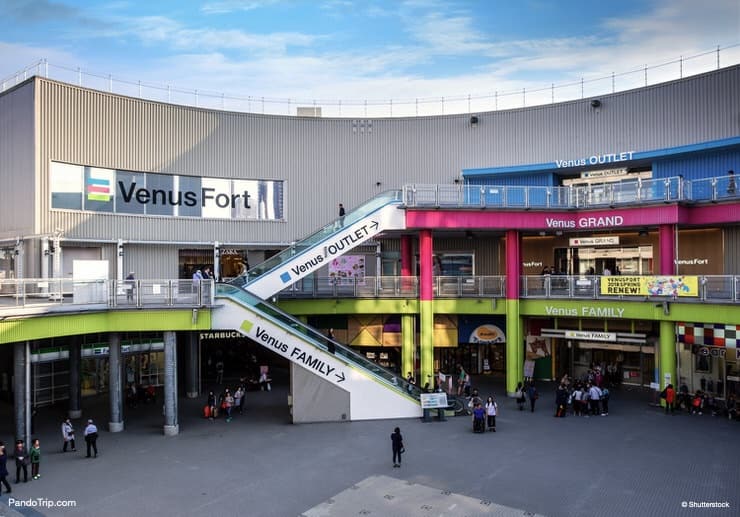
311	241
342	352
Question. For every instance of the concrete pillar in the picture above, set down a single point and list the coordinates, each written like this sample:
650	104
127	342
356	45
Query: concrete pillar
171	427
426	308
191	374
667	354
115	388
75	383
514	344
408	343
21	402
667	245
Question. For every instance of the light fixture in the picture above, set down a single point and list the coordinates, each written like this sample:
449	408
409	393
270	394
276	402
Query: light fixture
456	180
559	233
377	183
542	234
643	232
473	120
595	103
469	235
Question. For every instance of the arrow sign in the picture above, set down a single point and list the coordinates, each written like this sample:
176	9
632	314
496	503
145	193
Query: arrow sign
374	225
340	378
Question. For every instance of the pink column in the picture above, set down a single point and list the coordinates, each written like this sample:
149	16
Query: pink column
425	265
513	264
667	245
407	256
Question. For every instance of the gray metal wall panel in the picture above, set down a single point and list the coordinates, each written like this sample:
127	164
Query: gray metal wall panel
732	250
151	261
17	169
325	161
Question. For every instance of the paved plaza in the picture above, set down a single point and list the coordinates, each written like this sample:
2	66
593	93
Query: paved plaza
636	461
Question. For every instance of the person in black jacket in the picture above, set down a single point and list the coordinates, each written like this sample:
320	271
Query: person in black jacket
4	469
397	444
21	462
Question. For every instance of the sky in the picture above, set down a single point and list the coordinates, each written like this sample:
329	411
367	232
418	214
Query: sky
372	49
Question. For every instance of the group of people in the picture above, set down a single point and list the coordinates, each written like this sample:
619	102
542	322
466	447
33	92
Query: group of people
698	402
23	457
225	403
581	398
90	434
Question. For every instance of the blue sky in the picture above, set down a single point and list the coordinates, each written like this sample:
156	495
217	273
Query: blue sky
337	49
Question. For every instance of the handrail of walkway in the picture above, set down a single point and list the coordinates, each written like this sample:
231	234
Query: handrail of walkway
58	292
598	195
710	288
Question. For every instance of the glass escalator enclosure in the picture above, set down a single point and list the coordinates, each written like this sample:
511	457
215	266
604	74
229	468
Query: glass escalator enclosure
315	337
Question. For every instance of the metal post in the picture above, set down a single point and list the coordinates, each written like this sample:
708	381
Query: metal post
19	388
75	393
613	90
115	424
191	374
27	392
717	57
524	97
646	67
552	93
171	427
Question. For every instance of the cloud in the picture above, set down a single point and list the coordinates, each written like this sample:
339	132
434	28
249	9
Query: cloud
230	6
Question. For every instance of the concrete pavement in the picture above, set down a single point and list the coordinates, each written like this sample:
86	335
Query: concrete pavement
636	461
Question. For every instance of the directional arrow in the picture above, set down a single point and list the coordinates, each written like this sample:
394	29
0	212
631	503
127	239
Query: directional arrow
340	378
374	225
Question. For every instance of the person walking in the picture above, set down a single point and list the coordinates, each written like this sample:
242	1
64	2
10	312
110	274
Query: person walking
21	462
212	406
670	398
35	455
130	287
68	435
341	215
519	396
4	469
229	404
91	438
533	395
491	410
397	445
731	182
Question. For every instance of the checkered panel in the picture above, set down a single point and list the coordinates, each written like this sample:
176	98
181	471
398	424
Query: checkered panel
708	334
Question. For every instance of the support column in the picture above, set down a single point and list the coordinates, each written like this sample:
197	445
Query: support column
514	343
667	354
75	391
171	427
408	346
115	390
667	245
21	402
407	256
426	308
191	374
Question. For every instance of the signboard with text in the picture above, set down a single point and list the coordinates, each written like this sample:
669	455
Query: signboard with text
434	400
672	286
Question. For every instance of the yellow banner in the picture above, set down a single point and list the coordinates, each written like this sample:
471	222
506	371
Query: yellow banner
650	285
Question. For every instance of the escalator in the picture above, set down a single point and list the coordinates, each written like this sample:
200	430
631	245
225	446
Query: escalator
379	214
374	392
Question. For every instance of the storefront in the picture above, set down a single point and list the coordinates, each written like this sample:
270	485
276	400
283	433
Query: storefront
708	358
623	357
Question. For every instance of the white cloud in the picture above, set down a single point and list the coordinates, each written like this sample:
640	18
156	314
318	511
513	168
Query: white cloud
230	6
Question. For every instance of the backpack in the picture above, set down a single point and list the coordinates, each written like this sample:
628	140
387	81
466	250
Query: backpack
605	394
663	393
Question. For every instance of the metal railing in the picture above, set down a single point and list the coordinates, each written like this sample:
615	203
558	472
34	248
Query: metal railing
712	288
35	292
490	100
624	193
395	287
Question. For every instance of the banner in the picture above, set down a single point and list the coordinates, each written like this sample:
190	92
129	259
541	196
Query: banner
347	269
672	286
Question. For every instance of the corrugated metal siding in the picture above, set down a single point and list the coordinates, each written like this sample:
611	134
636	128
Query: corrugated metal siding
327	161
732	250
17	171
519	180
151	261
715	164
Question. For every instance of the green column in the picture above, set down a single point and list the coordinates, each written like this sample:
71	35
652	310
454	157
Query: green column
408	333
514	349
426	331
667	354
